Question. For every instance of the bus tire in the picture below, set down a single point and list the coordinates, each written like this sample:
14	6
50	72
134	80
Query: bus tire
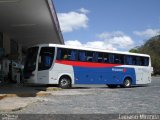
127	83
65	82
112	86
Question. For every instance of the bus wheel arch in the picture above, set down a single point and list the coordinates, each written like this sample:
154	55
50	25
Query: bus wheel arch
65	81
127	82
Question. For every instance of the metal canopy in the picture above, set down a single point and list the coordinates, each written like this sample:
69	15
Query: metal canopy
30	22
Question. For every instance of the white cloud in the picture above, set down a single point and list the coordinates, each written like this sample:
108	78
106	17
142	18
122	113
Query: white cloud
83	10
73	20
91	44
117	39
147	33
74	43
110	41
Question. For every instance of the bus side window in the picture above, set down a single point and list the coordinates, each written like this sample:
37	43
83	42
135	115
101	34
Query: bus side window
82	56
128	60
121	59
90	56
125	60
111	58
118	59
139	61
64	54
68	55
145	61
100	57
105	58
73	54
59	54
95	56
133	60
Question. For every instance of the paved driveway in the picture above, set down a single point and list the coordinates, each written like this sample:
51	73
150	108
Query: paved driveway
100	99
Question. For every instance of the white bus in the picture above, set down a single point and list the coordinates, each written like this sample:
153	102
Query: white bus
64	65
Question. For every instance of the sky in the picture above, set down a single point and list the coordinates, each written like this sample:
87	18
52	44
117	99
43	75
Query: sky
108	24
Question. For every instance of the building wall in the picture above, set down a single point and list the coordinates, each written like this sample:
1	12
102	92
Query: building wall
6	43
1	40
12	47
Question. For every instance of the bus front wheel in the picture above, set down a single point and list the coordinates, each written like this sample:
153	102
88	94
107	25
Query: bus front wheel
127	83
65	82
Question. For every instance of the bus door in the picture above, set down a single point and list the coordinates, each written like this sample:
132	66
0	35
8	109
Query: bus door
45	61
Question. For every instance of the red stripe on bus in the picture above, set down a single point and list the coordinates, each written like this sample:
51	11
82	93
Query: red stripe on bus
86	64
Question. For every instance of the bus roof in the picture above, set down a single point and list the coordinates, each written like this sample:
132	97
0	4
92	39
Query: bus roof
92	49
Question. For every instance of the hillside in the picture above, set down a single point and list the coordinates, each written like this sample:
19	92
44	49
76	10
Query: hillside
151	47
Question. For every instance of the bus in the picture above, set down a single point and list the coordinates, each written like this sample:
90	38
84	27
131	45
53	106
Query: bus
66	66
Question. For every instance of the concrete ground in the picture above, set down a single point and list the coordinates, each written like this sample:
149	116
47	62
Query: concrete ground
98	99
16	97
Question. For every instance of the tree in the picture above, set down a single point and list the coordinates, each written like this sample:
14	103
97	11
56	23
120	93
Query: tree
151	47
134	50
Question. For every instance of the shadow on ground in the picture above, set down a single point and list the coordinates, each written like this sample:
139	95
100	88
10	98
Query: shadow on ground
14	90
105	87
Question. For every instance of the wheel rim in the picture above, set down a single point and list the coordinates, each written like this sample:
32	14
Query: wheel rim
64	82
127	83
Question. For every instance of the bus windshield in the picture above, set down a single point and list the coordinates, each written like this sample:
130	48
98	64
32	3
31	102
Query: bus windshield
46	57
31	59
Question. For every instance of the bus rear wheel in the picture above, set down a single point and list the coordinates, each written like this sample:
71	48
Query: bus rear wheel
127	83
65	82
